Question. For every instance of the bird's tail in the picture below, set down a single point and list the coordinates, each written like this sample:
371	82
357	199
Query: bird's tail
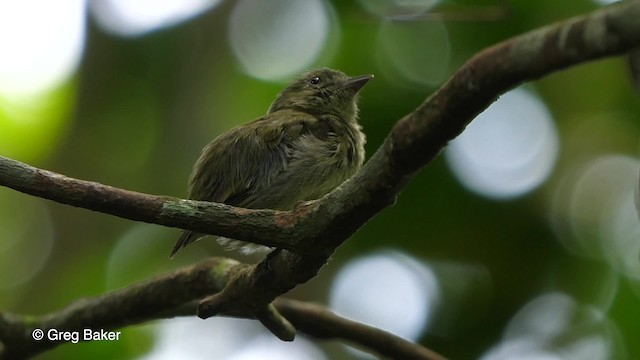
186	238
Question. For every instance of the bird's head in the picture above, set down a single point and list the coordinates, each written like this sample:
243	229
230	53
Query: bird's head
323	91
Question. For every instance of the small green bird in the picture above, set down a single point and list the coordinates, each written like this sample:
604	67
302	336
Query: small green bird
308	143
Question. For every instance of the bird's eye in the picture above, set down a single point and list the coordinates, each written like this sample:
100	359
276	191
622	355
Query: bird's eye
314	81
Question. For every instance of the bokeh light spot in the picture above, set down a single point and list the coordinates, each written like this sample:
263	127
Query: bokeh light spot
267	347
555	326
227	338
604	2
595	215
394	8
414	52
41	44
193	339
545	317
508	150
520	349
138	17
388	290
278	38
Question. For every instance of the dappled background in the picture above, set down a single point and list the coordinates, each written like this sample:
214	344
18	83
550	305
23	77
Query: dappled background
521	241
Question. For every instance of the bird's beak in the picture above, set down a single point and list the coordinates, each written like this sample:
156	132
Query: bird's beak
356	83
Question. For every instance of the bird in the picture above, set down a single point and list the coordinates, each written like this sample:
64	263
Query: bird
308	143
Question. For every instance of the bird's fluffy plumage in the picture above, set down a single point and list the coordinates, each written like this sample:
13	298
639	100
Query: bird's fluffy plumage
308	143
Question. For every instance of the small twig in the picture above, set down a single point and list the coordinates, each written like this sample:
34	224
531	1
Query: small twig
271	319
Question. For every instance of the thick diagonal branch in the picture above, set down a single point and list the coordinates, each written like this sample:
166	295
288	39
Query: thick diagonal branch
418	137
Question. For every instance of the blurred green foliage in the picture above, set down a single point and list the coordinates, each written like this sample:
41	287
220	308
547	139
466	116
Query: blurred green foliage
139	110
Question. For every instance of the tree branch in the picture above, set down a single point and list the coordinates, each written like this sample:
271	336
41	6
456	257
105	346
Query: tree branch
258	226
134	304
310	233
418	137
317	321
176	294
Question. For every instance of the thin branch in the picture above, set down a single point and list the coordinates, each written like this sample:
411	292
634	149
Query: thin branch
317	321
176	294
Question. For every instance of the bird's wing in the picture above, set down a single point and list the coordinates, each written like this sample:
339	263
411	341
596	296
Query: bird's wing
237	167
241	161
